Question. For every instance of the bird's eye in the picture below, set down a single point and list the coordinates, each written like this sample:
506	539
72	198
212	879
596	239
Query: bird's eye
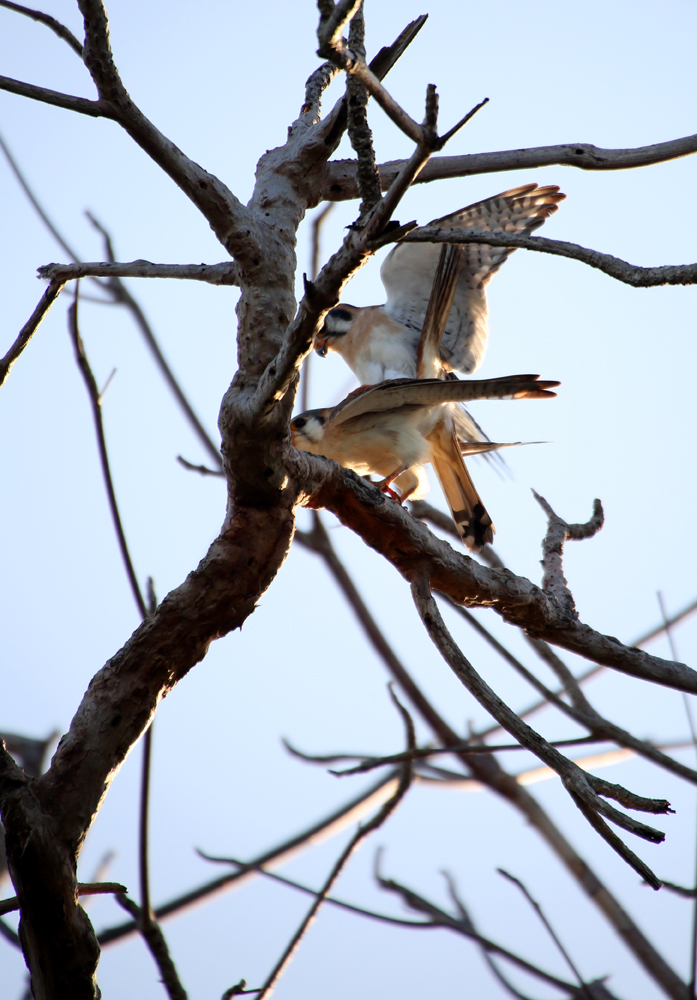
299	423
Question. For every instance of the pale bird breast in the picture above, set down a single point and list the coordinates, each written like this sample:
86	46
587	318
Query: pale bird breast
379	344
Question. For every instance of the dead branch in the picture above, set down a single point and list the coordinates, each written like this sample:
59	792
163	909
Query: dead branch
213	274
363	831
155	940
50	22
357	122
83	889
550	930
558	531
338	820
585	789
462	925
407	543
487	771
339	181
630	274
81	105
95	403
232	223
30	327
580	710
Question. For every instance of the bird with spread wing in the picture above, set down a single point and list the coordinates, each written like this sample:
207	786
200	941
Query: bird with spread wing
380	342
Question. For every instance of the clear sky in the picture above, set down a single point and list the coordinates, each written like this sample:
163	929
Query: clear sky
224	80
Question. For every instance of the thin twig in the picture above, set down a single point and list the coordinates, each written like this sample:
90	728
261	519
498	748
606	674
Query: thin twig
325	828
359	131
202	470
157	946
436	922
38	208
550	930
93	393
124	297
146	915
369	763
119	294
580	710
317	224
94	109
362	832
50	22
83	889
30	327
461	926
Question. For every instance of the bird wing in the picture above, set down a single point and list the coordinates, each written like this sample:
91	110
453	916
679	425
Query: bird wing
469	514
400	392
408	271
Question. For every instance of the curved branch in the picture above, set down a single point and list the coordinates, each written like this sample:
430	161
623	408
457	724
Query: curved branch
410	547
584	789
340	177
630	274
50	22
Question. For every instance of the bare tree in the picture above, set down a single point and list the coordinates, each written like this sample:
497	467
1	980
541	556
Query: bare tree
48	816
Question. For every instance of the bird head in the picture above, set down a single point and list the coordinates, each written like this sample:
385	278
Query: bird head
337	323
307	429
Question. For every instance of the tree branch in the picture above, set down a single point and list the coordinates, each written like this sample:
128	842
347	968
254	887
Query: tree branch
83	889
50	22
407	544
584	789
328	827
580	710
157	945
95	109
363	831
630	274
339	182
463	925
30	327
214	274
95	403
487	771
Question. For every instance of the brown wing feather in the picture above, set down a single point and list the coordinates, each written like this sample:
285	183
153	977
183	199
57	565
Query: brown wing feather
398	392
468	512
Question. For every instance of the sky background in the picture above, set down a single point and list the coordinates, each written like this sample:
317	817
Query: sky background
224	80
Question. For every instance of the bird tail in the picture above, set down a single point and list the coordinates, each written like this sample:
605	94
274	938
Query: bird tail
468	512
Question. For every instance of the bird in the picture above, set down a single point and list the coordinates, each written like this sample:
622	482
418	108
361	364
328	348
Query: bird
380	342
391	429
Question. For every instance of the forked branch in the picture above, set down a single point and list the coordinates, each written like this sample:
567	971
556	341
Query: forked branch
585	789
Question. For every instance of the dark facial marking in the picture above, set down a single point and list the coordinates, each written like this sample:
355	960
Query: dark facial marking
339	313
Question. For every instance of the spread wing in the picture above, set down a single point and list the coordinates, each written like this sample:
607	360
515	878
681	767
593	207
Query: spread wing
400	392
408	271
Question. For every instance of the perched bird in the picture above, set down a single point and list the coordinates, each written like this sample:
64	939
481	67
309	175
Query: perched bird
380	342
393	428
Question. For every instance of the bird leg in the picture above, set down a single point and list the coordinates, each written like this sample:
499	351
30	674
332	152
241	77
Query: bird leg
385	484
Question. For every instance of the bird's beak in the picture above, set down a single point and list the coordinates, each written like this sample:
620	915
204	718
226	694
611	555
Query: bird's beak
320	345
